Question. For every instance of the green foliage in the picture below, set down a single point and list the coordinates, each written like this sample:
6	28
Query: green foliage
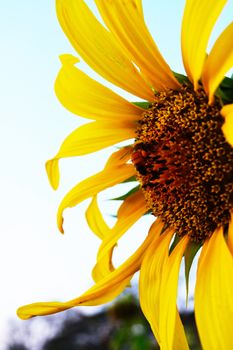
132	330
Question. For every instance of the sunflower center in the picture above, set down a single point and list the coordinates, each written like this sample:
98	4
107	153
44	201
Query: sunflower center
184	163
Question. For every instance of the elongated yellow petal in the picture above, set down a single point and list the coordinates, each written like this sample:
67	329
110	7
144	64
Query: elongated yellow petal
86	139
227	112
99	48
129	213
179	340
125	20
93	185
219	62
150	275
97	224
102	292
158	291
213	294
94	136
198	21
168	296
84	96
230	234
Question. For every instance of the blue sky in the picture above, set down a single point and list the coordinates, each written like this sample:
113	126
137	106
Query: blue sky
37	262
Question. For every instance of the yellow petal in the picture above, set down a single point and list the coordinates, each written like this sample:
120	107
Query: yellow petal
93	185
86	139
179	340
168	296
94	136
158	291
128	214
95	220
102	292
84	96
198	21
227	112
125	20
100	228
213	294
230	234
103	266
219	62
99	48
139	7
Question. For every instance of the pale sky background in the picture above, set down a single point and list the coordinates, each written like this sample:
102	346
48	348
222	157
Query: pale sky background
37	263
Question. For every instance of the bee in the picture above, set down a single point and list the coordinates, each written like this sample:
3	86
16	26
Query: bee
138	159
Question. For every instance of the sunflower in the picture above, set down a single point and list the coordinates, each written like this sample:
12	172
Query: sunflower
181	157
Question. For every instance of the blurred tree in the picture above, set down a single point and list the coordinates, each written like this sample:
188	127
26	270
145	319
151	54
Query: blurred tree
17	347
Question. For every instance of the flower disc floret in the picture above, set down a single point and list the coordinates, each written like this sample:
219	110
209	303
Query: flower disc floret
184	163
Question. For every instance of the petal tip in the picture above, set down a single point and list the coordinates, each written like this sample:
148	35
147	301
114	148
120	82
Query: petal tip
68	59
52	170
60	221
23	314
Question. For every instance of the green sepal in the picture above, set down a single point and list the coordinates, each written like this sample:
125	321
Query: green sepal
144	104
126	195
225	90
149	212
174	243
227	82
121	147
189	255
181	78
130	179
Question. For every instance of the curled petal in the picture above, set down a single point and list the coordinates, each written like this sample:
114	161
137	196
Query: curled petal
129	213
87	98
93	185
86	139
98	225
95	220
103	291
52	169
